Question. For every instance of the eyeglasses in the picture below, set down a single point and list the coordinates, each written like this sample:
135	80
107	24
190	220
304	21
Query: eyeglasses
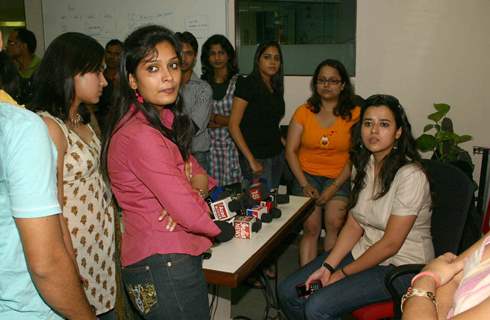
323	82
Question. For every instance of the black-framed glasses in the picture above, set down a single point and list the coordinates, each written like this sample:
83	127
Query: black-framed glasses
324	82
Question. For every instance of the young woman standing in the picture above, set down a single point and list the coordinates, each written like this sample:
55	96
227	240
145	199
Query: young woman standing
148	161
258	107
220	71
70	76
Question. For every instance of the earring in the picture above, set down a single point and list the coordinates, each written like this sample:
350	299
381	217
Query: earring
139	97
395	146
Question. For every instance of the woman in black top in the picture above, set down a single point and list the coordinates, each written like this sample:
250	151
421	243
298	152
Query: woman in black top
258	107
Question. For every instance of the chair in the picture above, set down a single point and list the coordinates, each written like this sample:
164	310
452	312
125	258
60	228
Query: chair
452	193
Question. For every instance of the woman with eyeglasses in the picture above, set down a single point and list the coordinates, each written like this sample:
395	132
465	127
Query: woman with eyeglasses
317	151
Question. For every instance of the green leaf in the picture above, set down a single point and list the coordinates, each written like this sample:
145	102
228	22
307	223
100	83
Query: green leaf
436	116
464	138
426	142
428	127
442	107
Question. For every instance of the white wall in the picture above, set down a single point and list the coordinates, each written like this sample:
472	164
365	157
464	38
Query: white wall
425	52
420	51
34	22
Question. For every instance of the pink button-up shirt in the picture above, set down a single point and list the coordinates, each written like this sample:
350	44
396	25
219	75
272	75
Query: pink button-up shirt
147	175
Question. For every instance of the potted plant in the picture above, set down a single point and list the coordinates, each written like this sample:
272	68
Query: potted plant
440	138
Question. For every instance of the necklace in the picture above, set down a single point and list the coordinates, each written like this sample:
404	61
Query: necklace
324	140
75	120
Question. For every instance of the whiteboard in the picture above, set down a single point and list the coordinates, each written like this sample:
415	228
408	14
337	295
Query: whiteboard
108	19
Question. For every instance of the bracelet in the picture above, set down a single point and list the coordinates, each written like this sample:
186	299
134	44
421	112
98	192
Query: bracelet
431	274
343	272
329	267
414	292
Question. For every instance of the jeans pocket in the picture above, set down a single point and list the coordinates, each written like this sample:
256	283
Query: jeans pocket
141	288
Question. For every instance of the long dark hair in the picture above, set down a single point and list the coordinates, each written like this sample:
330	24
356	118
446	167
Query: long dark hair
277	80
207	69
404	152
137	46
345	104
70	54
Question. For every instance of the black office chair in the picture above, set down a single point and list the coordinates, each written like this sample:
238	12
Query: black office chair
452	193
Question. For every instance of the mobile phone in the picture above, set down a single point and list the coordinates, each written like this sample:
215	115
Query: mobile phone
302	291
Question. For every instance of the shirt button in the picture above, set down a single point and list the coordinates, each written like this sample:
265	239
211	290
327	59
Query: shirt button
169	264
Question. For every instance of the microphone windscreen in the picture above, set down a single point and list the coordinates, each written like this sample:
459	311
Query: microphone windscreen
235	206
225	194
256	226
282	198
266	218
227	231
247	201
276	213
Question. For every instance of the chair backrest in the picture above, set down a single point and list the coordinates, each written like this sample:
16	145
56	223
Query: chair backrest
452	193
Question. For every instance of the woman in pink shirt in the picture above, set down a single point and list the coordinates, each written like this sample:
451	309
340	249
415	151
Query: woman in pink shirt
148	162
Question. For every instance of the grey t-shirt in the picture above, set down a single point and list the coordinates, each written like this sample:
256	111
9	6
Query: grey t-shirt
197	95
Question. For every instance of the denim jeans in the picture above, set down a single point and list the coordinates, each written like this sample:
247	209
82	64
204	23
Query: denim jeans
341	297
203	158
272	171
320	183
168	286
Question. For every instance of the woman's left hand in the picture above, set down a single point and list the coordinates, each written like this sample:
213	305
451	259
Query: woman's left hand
256	167
445	267
170	223
325	196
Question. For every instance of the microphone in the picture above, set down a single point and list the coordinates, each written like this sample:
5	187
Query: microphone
260	212
221	210
245	226
282	198
258	190
272	202
227	231
275	213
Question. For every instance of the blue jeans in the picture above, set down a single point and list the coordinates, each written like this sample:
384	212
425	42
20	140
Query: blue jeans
203	158
272	171
341	297
168	286
320	183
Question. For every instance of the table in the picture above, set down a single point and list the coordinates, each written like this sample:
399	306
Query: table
232	262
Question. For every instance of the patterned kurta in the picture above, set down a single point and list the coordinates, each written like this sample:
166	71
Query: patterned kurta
88	207
224	165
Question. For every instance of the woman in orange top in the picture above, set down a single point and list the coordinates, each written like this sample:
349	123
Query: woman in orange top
317	151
